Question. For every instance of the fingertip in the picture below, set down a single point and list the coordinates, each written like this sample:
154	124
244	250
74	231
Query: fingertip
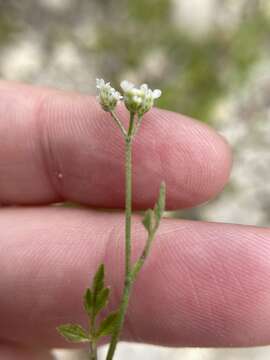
190	156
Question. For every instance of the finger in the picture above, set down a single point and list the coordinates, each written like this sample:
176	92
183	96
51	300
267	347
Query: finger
59	146
204	284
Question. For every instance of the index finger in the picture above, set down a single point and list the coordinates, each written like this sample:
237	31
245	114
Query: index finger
61	146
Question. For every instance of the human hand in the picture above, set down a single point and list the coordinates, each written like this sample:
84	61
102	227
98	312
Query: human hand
204	284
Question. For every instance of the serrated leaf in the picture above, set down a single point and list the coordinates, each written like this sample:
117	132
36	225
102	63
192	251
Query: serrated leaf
73	333
107	326
148	220
102	300
160	204
88	301
98	282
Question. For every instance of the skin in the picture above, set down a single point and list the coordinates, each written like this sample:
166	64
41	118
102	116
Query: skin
204	284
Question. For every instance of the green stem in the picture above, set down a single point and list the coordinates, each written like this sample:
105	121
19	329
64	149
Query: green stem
93	350
93	343
118	123
128	196
126	295
128	208
122	312
128	213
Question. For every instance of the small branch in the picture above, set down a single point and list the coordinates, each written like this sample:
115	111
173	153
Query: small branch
118	123
139	263
137	125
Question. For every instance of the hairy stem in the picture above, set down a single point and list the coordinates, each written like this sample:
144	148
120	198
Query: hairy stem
128	196
128	208
128	213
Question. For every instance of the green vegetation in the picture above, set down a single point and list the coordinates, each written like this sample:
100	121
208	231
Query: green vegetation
199	71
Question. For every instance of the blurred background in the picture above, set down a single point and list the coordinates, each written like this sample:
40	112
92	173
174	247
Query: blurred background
209	57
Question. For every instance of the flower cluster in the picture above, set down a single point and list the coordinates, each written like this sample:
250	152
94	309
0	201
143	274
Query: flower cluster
108	96
137	100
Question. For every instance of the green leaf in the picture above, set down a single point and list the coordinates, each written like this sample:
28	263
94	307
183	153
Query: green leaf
102	300
98	282
148	220
88	301
73	333
160	205
107	326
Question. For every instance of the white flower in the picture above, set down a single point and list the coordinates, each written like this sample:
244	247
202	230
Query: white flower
126	85
108	96
139	100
